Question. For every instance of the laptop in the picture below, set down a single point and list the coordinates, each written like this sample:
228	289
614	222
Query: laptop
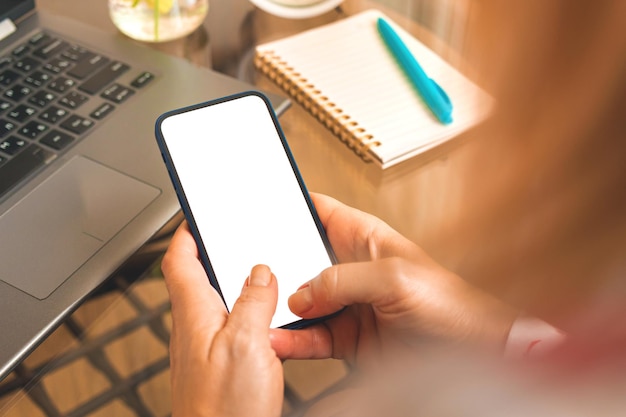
82	182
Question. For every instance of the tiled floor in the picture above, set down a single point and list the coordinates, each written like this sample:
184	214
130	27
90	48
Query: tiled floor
110	358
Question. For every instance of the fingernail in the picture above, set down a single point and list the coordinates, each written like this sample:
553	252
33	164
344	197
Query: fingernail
302	300
260	276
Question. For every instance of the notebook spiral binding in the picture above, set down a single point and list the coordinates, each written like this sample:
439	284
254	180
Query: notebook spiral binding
318	105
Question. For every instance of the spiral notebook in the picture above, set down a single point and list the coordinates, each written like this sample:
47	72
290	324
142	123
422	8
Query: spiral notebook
345	76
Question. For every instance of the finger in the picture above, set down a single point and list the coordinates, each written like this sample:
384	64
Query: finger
195	303
346	284
311	343
331	210
256	305
357	236
344	227
324	205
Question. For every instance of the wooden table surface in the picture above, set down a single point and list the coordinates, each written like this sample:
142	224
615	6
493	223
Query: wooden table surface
500	206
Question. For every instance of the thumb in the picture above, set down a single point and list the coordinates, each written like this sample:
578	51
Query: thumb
257	303
345	284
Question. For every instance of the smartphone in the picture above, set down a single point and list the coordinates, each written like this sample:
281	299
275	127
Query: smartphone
243	196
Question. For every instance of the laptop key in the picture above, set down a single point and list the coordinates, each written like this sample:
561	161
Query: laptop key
37	79
77	124
12	145
33	129
61	84
42	98
104	77
4	105
17	92
76	53
117	93
21	50
27	64
51	49
40	39
53	114
57	65
21	113
57	140
6	127
73	100
88	65
142	79
102	111
8	76
24	163
5	61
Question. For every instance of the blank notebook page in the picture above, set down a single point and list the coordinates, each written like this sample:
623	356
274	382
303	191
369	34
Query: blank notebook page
348	62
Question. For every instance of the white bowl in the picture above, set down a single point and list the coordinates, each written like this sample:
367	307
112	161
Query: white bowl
297	3
314	8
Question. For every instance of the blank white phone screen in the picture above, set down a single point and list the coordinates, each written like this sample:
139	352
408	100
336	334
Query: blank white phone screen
245	198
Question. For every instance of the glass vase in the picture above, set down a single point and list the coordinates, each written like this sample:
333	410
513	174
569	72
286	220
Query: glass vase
157	20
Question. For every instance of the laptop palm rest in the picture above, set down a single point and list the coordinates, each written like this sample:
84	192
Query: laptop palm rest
72	215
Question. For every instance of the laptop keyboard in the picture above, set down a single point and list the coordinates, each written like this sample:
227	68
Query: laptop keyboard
52	93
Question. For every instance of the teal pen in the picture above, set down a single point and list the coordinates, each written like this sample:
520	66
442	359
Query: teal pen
436	99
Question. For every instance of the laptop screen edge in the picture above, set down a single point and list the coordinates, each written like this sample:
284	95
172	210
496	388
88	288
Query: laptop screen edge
15	9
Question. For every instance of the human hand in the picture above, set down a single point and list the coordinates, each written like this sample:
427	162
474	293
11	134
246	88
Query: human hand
221	364
394	293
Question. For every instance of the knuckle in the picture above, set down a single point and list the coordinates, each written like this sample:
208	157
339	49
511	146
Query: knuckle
401	272
240	343
253	295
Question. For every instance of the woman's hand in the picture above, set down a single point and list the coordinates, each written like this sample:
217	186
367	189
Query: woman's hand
394	293
221	365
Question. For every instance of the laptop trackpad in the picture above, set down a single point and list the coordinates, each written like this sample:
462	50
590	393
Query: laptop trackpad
48	235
